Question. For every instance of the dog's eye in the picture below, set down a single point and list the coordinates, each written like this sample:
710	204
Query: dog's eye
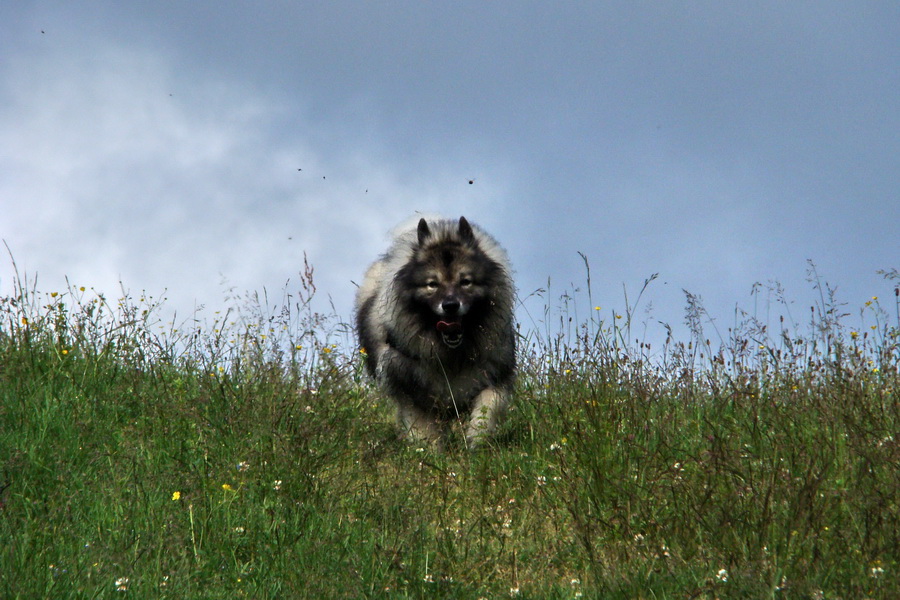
431	285
465	282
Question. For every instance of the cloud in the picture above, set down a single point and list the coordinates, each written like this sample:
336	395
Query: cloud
125	170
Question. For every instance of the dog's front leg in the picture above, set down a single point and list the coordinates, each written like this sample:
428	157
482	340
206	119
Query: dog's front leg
418	426
486	411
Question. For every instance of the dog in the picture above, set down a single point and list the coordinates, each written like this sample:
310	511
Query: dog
434	316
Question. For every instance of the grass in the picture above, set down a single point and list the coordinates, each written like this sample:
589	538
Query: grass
250	457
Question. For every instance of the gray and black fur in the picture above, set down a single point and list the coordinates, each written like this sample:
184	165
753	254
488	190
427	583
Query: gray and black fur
435	317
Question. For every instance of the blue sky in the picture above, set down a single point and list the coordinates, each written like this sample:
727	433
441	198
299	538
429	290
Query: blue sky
717	144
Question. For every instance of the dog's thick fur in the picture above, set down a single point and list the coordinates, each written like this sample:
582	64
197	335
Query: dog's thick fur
435	318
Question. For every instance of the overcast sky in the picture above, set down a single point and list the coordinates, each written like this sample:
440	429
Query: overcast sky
719	144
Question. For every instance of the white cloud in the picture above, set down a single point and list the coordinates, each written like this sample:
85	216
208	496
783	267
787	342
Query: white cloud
124	169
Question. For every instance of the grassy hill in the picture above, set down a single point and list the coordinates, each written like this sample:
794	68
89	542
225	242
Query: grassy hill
250	457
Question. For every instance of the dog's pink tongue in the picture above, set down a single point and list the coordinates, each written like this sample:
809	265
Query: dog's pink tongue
450	328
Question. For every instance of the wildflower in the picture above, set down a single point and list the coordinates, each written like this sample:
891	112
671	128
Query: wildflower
243	465
176	495
541	480
722	575
81	288
24	321
854	334
326	350
429	578
227	487
596	308
54	294
876	570
122	584
514	591
277	486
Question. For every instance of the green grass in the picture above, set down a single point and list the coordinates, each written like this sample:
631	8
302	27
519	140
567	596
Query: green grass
250	457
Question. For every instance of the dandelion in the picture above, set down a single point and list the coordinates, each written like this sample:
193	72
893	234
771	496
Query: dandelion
122	584
722	575
54	294
596	308
326	350
227	487
176	495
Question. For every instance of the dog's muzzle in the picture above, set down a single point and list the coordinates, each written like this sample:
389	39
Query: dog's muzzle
451	332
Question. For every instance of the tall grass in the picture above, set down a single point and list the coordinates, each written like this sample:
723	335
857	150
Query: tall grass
248	455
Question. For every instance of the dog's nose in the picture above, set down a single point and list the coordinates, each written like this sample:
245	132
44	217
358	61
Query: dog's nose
450	306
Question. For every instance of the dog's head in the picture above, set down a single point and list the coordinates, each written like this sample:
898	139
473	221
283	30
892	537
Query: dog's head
450	278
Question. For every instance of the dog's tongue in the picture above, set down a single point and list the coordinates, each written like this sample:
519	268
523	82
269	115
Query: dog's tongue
449	328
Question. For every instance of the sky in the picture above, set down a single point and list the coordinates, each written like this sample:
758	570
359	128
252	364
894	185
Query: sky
184	149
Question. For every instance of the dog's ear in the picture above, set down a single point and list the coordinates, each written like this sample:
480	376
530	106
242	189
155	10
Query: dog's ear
465	231
424	232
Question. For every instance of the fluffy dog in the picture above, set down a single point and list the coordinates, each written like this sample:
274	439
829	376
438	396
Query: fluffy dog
434	315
